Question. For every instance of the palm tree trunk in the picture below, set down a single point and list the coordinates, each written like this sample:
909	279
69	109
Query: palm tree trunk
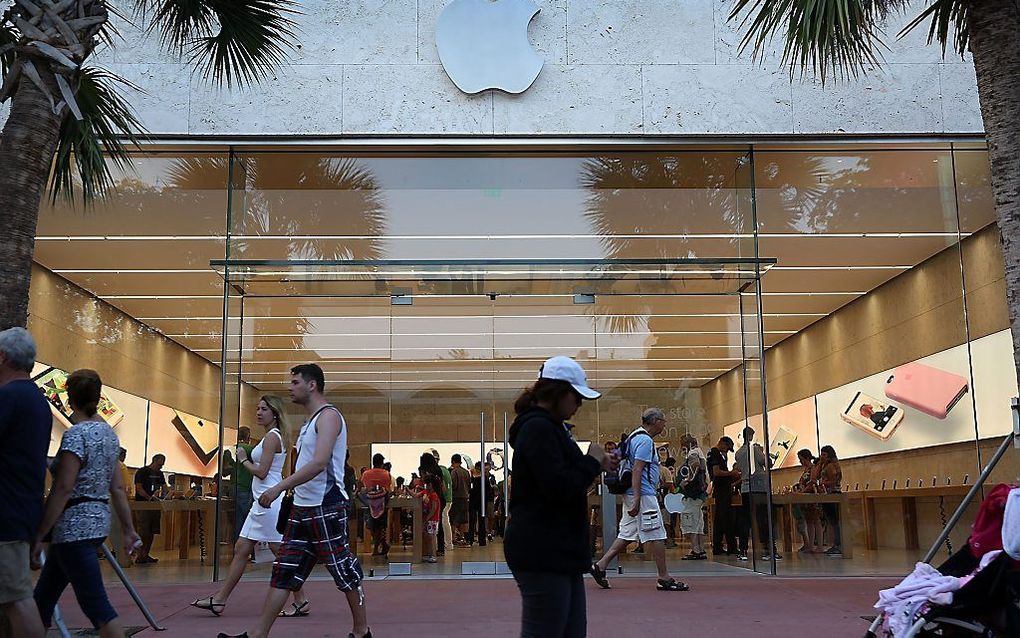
995	44
27	145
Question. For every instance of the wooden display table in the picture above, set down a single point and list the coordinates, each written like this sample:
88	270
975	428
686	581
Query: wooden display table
181	525
908	507
398	503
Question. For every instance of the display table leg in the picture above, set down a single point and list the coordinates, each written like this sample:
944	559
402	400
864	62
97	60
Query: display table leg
787	523
418	530
909	509
184	535
870	531
847	528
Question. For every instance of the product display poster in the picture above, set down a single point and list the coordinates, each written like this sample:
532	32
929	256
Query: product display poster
907	407
130	429
792	427
994	383
188	443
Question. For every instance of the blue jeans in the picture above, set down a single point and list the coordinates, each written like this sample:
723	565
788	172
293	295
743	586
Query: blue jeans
74	563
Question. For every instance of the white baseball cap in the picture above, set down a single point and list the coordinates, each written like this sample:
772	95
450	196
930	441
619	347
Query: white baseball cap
566	369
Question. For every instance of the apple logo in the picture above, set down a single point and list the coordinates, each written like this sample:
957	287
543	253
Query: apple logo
483	44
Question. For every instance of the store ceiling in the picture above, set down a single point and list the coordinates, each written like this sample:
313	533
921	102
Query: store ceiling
835	232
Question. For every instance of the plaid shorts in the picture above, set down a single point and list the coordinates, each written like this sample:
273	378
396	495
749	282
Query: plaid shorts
312	535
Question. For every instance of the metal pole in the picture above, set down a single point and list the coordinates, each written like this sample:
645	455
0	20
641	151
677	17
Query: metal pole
482	523
131	589
978	484
506	468
58	620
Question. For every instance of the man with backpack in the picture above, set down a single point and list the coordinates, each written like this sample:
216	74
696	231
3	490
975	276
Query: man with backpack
638	478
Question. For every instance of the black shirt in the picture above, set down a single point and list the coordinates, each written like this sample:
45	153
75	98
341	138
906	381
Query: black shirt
548	526
25	425
150	479
720	485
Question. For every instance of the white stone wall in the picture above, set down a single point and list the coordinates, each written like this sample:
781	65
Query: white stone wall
620	67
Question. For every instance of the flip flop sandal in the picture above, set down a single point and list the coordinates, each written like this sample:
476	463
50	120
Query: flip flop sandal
208	605
299	610
671	585
368	635
691	556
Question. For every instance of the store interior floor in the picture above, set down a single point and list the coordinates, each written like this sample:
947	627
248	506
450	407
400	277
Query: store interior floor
884	562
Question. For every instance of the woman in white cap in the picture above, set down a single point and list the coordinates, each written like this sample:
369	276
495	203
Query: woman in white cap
546	542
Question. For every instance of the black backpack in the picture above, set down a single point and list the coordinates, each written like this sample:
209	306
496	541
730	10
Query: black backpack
697	487
619	482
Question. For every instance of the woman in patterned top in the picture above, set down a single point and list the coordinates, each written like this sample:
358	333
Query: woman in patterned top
86	477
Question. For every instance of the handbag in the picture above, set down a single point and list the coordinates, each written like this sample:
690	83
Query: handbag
287	502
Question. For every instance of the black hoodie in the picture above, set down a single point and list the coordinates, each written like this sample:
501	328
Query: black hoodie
548	526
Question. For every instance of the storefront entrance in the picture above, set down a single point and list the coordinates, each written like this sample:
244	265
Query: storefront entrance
424	355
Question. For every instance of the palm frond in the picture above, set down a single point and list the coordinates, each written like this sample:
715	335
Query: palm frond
8	38
950	19
843	37
107	128
232	41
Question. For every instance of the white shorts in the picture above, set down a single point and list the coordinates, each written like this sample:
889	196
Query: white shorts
647	526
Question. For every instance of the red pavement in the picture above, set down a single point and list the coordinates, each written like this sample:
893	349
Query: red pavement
717	607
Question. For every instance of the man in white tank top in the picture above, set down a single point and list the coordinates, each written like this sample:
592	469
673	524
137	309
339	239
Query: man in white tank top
317	527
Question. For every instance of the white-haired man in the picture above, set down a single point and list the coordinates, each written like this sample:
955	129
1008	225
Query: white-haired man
642	517
25	424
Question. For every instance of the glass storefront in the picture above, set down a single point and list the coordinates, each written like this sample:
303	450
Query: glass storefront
818	281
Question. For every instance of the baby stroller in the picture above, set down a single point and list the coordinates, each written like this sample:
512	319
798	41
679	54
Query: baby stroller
987	606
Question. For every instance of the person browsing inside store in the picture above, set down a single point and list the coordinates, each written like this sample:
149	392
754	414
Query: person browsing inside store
149	486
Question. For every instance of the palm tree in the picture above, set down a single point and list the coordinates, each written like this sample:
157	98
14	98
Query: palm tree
844	37
65	117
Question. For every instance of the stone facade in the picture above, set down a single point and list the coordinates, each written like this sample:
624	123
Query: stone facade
612	67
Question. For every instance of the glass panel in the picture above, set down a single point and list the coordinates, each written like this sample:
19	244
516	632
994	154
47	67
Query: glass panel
868	261
617	206
116	288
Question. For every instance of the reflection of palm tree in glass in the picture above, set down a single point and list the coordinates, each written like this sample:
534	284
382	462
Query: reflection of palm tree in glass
292	198
655	195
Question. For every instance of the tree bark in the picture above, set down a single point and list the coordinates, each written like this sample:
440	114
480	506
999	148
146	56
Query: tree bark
27	145
995	45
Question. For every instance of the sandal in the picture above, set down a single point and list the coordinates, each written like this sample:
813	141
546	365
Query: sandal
299	610
209	605
691	556
599	575
671	585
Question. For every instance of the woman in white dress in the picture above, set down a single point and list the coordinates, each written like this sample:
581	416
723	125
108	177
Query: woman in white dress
266	465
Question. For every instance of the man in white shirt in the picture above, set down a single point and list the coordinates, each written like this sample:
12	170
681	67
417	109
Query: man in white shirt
752	461
317	527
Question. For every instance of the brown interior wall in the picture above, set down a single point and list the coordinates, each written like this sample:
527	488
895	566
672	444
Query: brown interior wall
74	330
915	314
918	313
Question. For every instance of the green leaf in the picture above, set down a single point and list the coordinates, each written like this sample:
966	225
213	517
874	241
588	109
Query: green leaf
950	20
841	37
233	42
107	129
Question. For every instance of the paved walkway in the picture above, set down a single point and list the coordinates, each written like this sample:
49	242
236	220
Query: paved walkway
717	607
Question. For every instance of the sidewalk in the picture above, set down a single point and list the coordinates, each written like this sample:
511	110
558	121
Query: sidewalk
730	607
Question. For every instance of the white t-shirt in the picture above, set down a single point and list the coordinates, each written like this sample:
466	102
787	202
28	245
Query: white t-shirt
328	485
